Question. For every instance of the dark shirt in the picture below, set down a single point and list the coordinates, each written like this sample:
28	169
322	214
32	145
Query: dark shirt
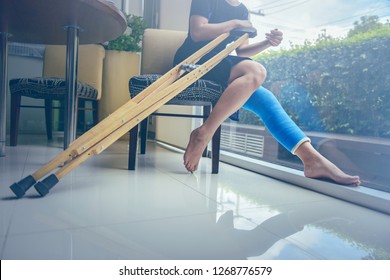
216	11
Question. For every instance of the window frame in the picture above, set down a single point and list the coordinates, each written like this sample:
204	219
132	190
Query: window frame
363	196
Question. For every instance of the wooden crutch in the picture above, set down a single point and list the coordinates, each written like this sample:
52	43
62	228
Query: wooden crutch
90	138
127	116
118	117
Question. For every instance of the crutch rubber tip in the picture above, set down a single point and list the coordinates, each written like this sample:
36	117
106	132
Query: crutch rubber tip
46	184
20	188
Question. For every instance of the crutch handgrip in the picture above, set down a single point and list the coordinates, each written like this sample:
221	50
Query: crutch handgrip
238	32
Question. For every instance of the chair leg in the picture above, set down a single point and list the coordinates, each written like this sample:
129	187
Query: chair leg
81	125
61	121
15	113
143	134
206	113
216	147
82	108
133	147
95	112
49	118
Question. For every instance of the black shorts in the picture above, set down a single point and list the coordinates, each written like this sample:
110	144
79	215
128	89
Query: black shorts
221	72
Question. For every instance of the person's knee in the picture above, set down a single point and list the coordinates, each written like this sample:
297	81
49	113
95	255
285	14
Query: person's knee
257	75
262	75
253	73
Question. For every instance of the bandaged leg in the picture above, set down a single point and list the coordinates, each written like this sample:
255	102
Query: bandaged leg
265	105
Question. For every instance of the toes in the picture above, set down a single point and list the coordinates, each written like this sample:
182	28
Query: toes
189	167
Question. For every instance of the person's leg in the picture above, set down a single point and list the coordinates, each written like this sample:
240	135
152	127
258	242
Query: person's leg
264	104
245	77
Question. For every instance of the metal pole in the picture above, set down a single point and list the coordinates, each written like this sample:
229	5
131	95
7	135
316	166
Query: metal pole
72	47
3	90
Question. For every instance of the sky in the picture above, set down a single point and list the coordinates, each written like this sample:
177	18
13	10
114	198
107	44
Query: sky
302	20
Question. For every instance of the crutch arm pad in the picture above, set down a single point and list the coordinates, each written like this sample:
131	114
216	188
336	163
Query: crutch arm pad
238	32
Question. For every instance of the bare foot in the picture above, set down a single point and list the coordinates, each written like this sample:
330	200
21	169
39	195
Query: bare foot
197	144
316	166
322	168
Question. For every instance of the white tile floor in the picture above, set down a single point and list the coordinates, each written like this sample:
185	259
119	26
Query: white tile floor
103	211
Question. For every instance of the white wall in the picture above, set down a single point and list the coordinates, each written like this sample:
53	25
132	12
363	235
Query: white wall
134	7
130	6
117	3
174	14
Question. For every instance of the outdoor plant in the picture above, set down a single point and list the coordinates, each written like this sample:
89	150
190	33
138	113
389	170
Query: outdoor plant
131	39
334	85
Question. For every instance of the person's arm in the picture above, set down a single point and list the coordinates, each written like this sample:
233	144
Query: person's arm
273	39
202	30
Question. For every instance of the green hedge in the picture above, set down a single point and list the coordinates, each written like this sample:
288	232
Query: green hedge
337	86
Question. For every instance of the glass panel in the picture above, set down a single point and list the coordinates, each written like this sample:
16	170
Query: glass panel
335	84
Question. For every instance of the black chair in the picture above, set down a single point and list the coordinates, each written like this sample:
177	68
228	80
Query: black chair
202	93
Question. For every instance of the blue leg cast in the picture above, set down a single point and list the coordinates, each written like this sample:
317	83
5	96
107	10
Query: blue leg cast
264	104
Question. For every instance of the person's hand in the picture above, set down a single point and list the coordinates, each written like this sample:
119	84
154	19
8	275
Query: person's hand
275	37
244	24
